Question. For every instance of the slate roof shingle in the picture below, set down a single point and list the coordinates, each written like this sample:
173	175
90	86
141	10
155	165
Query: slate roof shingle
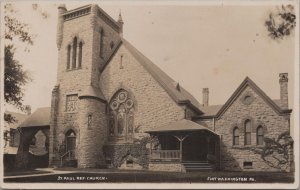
181	125
39	118
181	96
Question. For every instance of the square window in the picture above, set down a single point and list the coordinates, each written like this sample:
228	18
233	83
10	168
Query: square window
129	163
247	165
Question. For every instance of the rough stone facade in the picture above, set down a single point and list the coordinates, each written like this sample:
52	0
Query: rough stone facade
259	113
170	167
83	106
153	104
86	25
149	95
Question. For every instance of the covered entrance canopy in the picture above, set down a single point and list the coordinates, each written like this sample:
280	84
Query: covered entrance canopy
39	120
183	140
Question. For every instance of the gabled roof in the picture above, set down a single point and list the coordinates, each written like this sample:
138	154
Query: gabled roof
178	93
19	117
210	110
39	118
248	82
183	125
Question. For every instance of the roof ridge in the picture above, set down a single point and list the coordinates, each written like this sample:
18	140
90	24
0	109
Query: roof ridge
180	97
259	91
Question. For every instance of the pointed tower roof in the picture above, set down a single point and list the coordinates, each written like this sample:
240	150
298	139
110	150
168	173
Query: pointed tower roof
120	20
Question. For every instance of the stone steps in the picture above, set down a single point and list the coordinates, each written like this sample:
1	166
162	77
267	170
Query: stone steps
191	166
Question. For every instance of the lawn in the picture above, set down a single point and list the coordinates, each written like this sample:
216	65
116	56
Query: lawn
23	172
102	176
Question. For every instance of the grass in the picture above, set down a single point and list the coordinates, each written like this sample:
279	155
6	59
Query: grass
23	172
105	176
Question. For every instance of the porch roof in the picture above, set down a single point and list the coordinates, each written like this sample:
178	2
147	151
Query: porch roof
183	125
39	118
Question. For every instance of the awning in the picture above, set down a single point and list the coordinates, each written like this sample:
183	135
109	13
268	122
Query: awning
183	125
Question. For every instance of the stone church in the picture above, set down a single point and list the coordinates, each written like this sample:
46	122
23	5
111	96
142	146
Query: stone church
113	108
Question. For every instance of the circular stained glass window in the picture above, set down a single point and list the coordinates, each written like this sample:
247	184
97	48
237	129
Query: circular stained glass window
129	103
114	105
248	99
122	97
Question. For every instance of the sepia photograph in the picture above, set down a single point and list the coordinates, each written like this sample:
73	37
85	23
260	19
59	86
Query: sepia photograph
149	94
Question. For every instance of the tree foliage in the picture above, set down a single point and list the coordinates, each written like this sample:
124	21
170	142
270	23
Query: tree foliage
275	152
14	78
281	23
14	75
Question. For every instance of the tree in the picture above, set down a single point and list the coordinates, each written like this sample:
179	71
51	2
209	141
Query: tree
15	78
275	152
14	75
281	23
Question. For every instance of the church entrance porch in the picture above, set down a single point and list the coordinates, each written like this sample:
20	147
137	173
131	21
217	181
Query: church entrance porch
185	145
195	147
69	157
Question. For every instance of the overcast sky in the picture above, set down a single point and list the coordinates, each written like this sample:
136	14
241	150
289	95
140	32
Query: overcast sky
197	45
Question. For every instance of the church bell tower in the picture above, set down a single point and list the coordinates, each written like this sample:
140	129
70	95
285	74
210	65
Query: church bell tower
78	128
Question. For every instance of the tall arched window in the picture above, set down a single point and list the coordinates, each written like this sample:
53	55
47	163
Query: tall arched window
74	52
69	57
236	136
260	135
247	132
121	115
80	55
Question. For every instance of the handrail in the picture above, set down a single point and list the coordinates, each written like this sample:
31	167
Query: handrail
61	157
165	154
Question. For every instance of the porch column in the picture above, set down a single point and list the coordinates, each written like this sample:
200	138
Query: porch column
181	139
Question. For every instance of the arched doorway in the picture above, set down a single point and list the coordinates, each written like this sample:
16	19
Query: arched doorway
71	143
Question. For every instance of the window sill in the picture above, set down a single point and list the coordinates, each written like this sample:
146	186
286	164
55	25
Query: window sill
71	111
73	69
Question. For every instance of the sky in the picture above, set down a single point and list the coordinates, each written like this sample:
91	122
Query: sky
198	45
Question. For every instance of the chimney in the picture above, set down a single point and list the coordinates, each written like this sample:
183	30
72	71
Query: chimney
28	109
283	82
60	24
205	93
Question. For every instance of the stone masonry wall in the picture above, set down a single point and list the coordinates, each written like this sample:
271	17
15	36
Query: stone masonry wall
209	123
93	133
167	167
260	113
74	81
154	107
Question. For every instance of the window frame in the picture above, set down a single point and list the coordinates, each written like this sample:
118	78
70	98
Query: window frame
247	132
235	134
258	136
121	110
